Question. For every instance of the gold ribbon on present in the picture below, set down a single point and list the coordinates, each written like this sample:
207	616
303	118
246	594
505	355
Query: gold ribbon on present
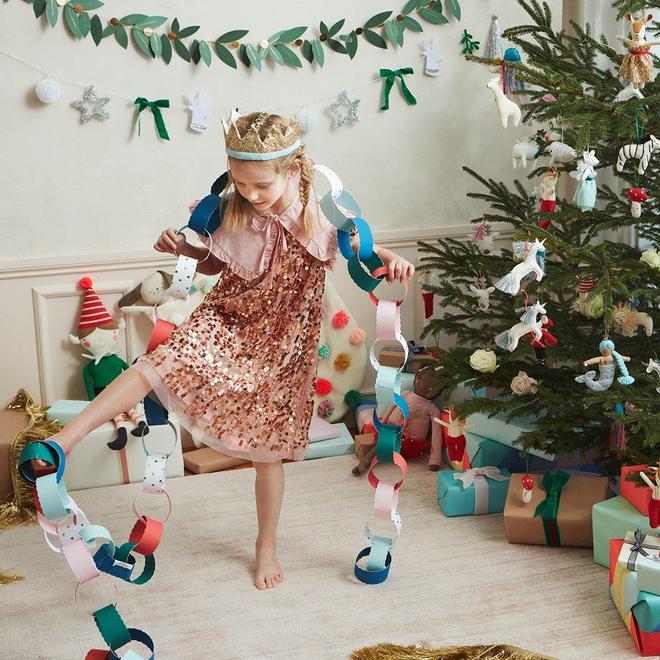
21	509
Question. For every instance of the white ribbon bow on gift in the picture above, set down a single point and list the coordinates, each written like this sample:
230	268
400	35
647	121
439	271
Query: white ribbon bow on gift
477	477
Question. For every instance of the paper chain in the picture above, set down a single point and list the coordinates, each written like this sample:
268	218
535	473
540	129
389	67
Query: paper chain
344	213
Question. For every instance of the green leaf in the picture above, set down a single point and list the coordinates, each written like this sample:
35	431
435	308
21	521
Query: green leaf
233	35
225	54
307	52
142	42
156	44
181	50
187	32
108	30
323	28
454	9
205	52
51	12
337	46
88	5
336	27
175	26
242	54
194	51
392	32
411	5
412	24
38	7
96	29
71	20
287	36
352	44
288	55
319	53
84	24
275	54
166	55
151	22
132	19
433	16
374	38
378	19
122	37
253	56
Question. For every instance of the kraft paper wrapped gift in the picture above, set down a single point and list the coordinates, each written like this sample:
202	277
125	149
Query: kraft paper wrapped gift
639	609
333	447
207	459
611	519
363	443
12	422
93	464
472	492
562	504
638	496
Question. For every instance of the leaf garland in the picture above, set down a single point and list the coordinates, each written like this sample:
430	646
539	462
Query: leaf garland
379	30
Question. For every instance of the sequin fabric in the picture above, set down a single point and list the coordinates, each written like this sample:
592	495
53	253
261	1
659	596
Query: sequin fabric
239	372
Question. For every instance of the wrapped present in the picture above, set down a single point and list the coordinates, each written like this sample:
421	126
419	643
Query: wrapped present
559	512
64	410
363	443
207	459
334	446
648	574
640	610
12	422
92	463
638	496
391	357
319	429
611	519
472	492
635	545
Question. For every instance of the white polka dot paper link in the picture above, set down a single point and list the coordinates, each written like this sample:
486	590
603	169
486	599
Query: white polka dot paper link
183	277
154	473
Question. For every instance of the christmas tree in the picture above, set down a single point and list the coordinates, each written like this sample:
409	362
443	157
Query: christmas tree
585	99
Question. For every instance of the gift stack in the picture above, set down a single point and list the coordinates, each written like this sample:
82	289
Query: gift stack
418	357
635	587
614	517
555	511
473	492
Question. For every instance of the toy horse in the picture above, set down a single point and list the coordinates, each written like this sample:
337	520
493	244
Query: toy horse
510	283
509	339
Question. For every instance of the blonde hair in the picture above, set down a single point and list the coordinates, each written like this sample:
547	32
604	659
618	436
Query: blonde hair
236	214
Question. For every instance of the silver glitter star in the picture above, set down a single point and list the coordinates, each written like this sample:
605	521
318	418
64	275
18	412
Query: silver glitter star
345	109
91	97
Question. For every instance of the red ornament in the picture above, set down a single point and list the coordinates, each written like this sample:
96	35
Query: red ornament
340	319
85	283
527	482
547	339
323	386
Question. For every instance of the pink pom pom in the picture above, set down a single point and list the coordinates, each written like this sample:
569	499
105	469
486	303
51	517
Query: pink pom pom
323	386
357	336
85	283
340	319
325	409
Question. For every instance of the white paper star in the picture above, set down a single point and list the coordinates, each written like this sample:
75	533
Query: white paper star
345	109
91	97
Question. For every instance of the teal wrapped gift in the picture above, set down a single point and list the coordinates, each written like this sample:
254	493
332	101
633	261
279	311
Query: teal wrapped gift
65	410
344	444
611	519
473	492
648	574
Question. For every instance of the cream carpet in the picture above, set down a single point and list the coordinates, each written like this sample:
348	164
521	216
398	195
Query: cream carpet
453	580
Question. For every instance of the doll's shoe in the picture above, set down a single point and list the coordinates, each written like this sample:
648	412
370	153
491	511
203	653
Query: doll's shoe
138	432
120	441
434	467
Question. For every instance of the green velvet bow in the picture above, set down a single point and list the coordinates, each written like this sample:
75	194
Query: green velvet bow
155	107
549	507
390	76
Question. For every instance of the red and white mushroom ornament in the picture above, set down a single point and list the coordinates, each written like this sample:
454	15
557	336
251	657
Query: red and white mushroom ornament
636	197
528	487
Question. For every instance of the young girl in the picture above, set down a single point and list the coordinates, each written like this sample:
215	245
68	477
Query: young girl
239	372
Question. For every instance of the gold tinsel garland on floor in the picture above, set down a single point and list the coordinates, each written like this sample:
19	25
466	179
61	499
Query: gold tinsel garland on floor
20	509
423	651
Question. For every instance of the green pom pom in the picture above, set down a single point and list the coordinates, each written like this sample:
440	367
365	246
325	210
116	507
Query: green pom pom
352	398
324	351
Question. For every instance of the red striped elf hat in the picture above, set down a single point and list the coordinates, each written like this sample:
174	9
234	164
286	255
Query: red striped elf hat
94	313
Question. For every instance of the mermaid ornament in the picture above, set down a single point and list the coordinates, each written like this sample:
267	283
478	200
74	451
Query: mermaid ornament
607	362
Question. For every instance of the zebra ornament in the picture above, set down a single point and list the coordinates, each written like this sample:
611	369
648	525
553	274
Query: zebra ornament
642	152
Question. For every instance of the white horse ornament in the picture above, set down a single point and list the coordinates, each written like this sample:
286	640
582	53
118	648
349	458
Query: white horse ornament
509	339
652	366
532	265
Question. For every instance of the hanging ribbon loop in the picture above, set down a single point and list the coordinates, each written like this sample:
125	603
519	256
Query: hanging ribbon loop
155	107
390	76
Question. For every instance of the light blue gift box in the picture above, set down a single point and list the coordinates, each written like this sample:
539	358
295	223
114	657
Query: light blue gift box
65	410
611	519
344	444
483	495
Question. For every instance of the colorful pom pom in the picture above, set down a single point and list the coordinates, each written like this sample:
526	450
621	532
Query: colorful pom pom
342	362
85	283
340	319
352	398
323	386
324	351
357	336
325	409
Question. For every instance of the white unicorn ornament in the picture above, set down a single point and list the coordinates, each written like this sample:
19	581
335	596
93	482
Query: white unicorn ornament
653	366
508	340
534	254
505	106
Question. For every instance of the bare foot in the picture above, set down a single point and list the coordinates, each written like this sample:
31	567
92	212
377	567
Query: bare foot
269	573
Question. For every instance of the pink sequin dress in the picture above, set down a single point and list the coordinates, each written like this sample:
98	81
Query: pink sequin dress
240	371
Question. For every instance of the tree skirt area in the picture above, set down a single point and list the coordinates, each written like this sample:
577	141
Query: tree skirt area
453	581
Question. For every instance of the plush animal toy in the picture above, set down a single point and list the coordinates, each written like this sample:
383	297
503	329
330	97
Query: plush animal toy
506	108
98	333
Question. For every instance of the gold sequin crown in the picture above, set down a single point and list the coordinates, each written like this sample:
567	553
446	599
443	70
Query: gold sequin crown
252	147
